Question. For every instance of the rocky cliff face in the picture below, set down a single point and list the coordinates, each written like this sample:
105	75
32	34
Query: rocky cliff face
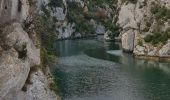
145	27
79	18
13	10
19	55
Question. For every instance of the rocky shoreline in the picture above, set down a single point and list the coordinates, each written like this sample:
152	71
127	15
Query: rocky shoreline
154	58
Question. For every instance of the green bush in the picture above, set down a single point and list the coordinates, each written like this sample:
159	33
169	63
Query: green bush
148	24
81	19
168	14
113	28
55	3
160	12
148	38
155	8
140	42
45	27
157	38
131	1
146	29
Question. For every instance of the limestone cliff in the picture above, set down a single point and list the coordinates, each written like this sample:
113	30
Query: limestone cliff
145	27
81	18
19	55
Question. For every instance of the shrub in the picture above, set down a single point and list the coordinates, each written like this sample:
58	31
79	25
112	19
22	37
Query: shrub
31	2
45	27
55	3
76	15
157	38
146	29
148	38
168	14
154	9
160	12
140	42
148	24
131	1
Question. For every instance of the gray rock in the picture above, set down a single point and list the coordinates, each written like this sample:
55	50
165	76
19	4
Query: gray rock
39	90
14	69
165	50
18	39
139	50
13	74
66	31
77	35
100	29
128	41
106	35
126	16
58	12
11	10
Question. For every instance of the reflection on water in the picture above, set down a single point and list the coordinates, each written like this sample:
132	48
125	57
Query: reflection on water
93	70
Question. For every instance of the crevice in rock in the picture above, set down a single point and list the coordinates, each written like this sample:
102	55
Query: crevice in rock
5	7
19	5
23	53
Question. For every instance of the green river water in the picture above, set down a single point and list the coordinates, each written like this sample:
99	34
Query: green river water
91	69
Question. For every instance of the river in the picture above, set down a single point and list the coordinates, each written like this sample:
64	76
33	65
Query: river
91	69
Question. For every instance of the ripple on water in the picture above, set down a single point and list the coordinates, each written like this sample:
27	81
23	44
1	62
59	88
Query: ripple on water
110	75
115	52
89	78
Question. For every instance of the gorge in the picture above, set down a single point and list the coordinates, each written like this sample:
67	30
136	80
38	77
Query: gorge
84	49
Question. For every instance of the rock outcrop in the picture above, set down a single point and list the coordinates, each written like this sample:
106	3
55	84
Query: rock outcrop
79	18
13	10
141	19
18	55
128	41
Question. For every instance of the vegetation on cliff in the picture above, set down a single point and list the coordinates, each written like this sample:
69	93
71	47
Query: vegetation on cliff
97	11
161	15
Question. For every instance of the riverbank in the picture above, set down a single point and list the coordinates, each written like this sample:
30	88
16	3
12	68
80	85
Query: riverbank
154	58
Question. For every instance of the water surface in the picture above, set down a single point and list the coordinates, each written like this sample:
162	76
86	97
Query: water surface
91	69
